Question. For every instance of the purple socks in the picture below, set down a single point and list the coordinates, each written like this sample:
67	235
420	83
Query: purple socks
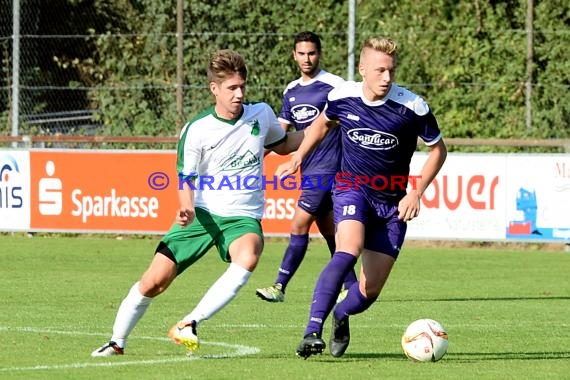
294	255
351	276
327	289
354	303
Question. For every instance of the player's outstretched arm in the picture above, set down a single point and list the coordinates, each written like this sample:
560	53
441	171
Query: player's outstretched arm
409	206
286	128
314	134
434	162
291	143
186	212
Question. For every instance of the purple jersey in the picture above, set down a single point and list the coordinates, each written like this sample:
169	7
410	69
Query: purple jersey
303	102
379	138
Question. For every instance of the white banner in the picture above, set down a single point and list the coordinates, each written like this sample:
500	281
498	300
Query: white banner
465	201
538	197
496	197
14	190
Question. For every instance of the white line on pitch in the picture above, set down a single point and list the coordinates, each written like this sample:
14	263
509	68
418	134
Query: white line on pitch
240	350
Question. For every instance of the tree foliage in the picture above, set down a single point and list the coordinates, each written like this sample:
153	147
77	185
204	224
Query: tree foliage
467	58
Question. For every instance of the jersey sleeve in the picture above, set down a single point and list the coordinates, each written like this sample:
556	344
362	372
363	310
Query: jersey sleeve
337	96
275	134
285	115
428	129
331	108
189	153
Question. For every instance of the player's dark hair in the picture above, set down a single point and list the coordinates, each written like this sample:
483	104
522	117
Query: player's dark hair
307	37
225	63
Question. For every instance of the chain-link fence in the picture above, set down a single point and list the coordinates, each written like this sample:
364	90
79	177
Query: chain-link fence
52	96
81	72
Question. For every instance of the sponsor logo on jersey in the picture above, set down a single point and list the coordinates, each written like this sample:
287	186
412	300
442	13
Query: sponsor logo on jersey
304	113
237	162
371	139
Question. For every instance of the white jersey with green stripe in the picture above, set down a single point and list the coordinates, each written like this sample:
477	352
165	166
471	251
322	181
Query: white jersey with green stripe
225	159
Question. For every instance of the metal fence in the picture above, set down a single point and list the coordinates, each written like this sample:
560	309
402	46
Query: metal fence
55	103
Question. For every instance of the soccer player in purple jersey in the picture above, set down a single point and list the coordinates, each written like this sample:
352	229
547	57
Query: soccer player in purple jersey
379	123
303	101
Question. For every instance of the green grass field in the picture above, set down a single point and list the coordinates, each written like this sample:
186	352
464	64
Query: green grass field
507	314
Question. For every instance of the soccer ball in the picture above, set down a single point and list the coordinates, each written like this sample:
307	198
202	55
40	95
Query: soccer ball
425	340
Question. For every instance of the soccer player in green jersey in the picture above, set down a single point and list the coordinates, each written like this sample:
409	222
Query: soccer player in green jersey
224	145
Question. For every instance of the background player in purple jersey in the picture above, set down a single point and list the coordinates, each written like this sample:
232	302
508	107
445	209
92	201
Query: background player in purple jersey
303	101
379	123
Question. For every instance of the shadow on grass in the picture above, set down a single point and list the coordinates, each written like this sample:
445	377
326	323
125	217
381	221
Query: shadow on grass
479	356
455	357
326	357
465	356
467	299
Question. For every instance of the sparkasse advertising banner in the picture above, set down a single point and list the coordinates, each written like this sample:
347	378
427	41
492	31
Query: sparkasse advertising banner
280	199
103	191
523	197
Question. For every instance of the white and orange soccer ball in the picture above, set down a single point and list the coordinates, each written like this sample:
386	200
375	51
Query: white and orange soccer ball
425	340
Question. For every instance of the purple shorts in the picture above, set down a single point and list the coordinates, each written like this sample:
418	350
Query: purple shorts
384	232
316	202
316	195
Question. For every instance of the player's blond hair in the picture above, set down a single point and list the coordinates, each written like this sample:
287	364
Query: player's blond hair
224	64
382	44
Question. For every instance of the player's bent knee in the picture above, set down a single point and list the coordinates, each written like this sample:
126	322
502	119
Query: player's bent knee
154	283
152	288
247	260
